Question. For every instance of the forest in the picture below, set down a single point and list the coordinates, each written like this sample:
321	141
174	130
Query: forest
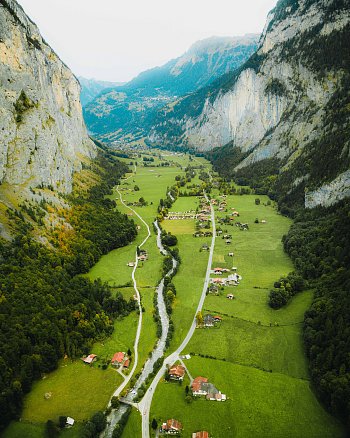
47	310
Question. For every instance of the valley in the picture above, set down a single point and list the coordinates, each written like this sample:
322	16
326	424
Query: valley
255	355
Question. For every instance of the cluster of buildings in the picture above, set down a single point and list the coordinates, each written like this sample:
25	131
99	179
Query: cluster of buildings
201	387
119	359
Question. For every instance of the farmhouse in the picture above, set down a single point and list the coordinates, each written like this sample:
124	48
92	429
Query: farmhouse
202	434
177	372
118	359
126	363
89	359
201	387
172	427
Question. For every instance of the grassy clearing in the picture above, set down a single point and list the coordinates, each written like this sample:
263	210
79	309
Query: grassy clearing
133	426
189	279
265	371
78	391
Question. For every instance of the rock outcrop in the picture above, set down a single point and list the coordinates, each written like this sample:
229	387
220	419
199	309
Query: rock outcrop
286	102
43	139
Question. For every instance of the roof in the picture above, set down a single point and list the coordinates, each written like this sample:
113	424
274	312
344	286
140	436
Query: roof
218	269
126	363
173	424
90	358
217	317
202	434
118	357
70	421
177	370
196	384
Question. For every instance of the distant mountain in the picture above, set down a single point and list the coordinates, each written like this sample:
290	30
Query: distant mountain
90	88
126	112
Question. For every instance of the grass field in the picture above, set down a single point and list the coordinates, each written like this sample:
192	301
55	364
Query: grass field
260	405
262	366
133	426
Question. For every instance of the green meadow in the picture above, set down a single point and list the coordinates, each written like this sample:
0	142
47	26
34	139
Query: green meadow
257	357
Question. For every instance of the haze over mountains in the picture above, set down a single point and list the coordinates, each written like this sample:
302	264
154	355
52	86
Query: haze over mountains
127	111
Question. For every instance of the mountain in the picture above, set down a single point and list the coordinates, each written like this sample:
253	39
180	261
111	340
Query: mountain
90	88
126	112
289	102
43	138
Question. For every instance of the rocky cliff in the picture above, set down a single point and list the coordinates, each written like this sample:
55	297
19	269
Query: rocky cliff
289	101
125	113
43	139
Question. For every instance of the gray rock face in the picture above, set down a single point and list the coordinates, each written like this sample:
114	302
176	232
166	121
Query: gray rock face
43	139
330	193
277	105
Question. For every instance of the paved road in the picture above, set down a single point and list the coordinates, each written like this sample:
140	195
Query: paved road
145	404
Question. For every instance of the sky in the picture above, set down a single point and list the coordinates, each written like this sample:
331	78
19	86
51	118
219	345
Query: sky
114	40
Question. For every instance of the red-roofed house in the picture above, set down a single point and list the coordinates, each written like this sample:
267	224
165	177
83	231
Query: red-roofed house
117	359
177	372
172	426
89	359
126	363
196	385
202	434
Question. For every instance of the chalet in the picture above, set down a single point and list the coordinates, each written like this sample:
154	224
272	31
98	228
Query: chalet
126	363
202	434
230	296
213	289
208	321
201	387
171	427
216	396
217	281
131	264
219	232
205	247
218	271
230	254
228	242
89	359
177	372
118	359
197	384
142	257
217	318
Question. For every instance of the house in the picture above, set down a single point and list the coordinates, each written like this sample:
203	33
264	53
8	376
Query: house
217	318
217	280
69	422
218	271
208	321
172	426
126	363
118	359
263	221
89	359
230	254
131	264
228	241
213	289
230	296
196	385
216	396
202	434
177	372
205	247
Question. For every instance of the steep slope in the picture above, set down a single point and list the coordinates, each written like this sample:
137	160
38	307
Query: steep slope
43	139
288	102
90	88
126	112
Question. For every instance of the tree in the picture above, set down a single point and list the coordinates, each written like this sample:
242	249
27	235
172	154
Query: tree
99	420
62	420
257	201
52	430
115	403
154	424
199	318
136	188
